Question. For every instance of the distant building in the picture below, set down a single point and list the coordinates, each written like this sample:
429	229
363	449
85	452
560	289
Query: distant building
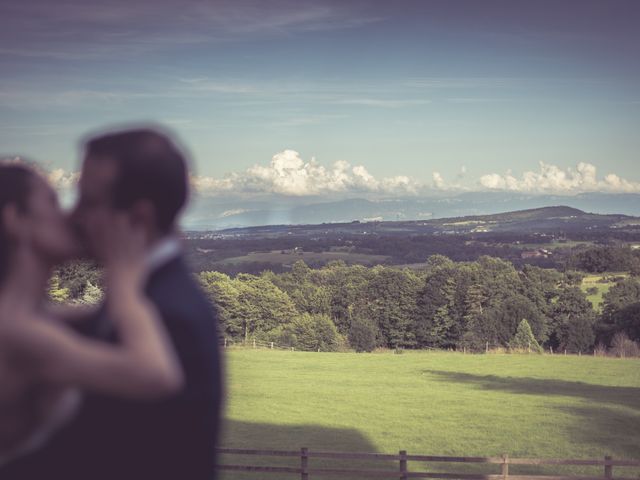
537	253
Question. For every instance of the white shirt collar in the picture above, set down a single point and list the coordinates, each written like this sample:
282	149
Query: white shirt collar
165	250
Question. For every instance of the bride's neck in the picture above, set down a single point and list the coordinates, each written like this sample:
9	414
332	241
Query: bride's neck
25	285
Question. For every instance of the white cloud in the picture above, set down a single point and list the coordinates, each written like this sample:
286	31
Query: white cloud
556	180
289	174
234	211
438	181
59	178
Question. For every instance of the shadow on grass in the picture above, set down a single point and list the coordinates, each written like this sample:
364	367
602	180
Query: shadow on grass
615	432
623	396
238	434
611	422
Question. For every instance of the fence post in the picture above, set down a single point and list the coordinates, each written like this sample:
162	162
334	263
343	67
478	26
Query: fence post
225	343
504	469
608	469
486	348
271	345
254	343
304	463
403	465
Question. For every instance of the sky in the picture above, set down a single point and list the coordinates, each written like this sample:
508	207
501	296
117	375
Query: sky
332	98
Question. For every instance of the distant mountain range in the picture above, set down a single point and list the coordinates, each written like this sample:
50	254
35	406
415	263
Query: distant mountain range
210	213
544	220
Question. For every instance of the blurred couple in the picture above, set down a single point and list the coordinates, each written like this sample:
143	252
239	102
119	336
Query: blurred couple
133	388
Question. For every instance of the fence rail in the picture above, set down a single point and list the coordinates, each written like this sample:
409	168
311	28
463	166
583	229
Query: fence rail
305	470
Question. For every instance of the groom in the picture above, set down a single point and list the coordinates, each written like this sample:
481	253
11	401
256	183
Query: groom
142	171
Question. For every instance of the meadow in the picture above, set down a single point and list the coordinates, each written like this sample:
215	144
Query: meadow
602	283
435	403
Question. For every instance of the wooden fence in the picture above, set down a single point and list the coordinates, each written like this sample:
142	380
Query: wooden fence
305	470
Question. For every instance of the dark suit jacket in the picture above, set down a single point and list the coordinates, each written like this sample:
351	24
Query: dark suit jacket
172	438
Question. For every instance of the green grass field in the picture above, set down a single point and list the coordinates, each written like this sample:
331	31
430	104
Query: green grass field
434	403
595	280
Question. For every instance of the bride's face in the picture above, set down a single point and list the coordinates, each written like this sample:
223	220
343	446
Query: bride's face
49	233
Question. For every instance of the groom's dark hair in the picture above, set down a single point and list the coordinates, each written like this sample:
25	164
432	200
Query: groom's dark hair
149	166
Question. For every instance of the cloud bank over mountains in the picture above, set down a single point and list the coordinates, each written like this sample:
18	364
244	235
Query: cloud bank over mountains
553	179
289	175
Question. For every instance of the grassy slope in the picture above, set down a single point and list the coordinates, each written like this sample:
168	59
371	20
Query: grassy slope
434	403
594	280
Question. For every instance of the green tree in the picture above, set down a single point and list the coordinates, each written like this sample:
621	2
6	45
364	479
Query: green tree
247	305
304	289
262	305
389	301
627	321
475	300
619	297
311	298
499	322
524	339
223	292
91	295
579	336
434	319
602	259
439	261
362	335
300	271
76	275
541	286
57	294
312	332
572	321
345	285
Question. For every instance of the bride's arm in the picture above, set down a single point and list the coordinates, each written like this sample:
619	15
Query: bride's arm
72	314
142	365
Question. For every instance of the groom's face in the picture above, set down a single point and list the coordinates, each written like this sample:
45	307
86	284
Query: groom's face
94	203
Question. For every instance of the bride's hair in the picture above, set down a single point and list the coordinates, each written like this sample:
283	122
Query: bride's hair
14	189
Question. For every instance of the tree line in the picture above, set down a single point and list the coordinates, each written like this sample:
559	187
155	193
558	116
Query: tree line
448	305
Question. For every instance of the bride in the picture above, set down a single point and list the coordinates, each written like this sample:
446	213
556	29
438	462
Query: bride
44	364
